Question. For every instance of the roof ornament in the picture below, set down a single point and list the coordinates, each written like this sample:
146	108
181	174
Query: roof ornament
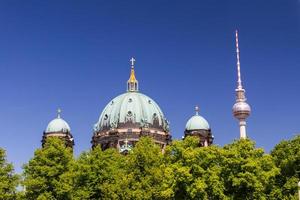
132	60
197	109
132	83
126	143
126	147
58	113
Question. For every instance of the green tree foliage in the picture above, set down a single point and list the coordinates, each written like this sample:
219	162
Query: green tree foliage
95	173
287	158
8	180
194	172
109	175
237	171
248	172
43	174
183	171
144	172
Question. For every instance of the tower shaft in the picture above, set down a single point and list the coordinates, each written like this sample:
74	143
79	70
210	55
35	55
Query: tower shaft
243	134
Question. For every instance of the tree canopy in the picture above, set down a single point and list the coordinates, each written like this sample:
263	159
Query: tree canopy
237	171
184	170
8	179
43	174
287	157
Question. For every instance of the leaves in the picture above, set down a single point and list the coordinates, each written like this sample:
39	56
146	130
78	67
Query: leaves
184	171
287	157
8	179
44	174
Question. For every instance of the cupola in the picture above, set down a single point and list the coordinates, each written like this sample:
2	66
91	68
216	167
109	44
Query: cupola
198	126
59	128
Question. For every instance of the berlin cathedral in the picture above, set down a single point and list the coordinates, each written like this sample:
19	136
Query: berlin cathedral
128	117
133	114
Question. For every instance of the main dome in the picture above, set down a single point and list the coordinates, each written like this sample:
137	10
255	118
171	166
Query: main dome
133	107
128	117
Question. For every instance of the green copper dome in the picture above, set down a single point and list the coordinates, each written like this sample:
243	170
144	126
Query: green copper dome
197	122
58	125
133	107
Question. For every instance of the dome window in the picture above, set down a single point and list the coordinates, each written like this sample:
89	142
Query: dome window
105	117
130	100
129	113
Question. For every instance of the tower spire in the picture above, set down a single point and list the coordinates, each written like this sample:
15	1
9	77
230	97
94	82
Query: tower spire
132	83
241	109
238	60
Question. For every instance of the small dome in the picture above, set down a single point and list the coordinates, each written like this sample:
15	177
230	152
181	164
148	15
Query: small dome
197	122
58	125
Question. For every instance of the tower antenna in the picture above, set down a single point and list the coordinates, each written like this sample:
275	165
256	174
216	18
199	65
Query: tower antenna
238	64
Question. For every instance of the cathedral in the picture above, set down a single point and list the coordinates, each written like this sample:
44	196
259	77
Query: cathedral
133	114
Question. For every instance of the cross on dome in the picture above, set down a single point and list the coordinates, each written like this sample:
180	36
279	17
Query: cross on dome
132	60
132	83
58	112
197	109
126	143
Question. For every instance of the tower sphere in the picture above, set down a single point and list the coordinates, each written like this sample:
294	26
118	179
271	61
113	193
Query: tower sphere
241	110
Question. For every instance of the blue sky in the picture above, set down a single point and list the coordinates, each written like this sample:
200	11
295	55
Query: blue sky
75	55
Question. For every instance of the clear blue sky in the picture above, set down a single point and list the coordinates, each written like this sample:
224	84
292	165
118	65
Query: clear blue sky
75	55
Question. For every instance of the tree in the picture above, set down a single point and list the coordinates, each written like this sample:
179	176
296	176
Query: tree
94	174
145	172
110	175
236	171
43	174
194	172
287	157
248	172
8	179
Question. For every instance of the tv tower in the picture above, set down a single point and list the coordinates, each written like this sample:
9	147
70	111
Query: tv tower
241	109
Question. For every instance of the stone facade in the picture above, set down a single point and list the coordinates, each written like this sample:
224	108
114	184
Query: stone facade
65	136
129	133
205	136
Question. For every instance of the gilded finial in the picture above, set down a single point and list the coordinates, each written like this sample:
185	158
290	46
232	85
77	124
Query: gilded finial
132	74
132	83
